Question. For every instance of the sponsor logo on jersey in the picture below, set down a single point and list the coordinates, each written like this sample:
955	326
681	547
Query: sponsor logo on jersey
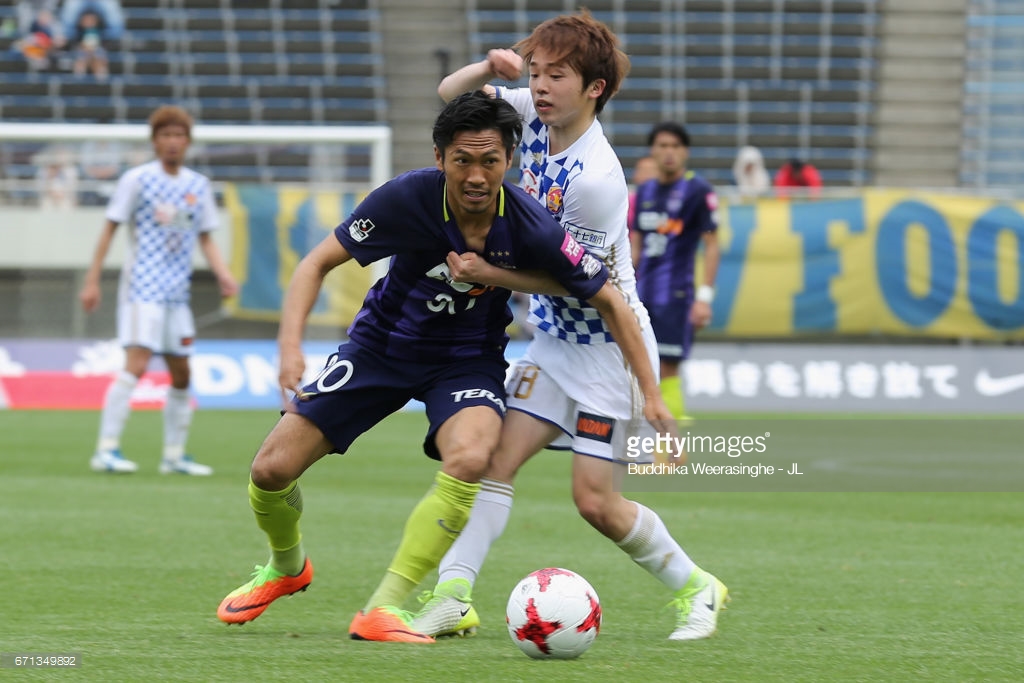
712	200
572	250
587	237
360	229
190	199
594	427
671	226
591	266
466	394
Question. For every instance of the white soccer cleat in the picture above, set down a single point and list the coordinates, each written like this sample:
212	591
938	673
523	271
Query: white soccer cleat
697	604
447	611
185	465
112	461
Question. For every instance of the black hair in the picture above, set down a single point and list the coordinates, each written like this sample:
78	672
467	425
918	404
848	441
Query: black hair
672	128
478	111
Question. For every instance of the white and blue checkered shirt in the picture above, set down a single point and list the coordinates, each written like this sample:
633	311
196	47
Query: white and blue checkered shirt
585	189
166	214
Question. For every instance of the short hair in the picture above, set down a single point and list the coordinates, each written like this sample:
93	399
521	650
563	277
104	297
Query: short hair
169	115
672	128
478	111
585	45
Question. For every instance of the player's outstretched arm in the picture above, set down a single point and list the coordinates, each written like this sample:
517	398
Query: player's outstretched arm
90	294
504	64
298	302
472	268
627	334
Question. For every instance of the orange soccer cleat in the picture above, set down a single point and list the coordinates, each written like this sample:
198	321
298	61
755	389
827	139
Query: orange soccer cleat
248	601
385	624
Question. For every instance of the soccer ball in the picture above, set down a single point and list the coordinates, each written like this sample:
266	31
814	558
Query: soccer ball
553	614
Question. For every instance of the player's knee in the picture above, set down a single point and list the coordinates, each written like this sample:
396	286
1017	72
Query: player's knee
592	506
466	464
269	470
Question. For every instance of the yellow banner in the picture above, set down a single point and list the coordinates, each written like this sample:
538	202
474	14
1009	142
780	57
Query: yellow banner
273	227
897	262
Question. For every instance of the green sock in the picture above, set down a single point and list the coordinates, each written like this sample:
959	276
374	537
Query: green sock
672	392
431	529
277	513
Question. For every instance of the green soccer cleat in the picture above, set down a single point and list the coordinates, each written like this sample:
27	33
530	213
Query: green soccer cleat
447	611
697	605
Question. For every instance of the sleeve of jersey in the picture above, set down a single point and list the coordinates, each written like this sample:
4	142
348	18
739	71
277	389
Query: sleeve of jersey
379	228
709	209
119	208
555	252
210	217
519	98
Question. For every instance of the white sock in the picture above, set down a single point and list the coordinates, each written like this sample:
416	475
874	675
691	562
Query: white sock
653	548
116	408
487	521
177	418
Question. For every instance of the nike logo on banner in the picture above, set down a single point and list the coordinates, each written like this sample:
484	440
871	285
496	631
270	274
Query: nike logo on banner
997	386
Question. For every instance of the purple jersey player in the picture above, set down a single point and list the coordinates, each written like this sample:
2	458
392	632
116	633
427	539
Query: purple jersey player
675	213
421	335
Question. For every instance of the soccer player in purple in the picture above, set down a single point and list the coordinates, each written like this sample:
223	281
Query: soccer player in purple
675	214
420	335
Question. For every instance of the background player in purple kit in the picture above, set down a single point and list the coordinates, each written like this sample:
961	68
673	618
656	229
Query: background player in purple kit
420	335
675	214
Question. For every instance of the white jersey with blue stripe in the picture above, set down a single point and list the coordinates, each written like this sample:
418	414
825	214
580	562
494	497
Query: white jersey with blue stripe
165	215
585	189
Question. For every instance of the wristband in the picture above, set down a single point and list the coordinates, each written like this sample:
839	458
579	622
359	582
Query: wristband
705	294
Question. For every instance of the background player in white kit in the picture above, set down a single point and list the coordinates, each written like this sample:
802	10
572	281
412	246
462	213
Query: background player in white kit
170	208
572	389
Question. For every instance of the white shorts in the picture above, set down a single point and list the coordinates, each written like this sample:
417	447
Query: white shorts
161	328
583	389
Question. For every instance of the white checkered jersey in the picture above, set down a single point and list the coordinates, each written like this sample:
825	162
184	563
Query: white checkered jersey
165	215
585	189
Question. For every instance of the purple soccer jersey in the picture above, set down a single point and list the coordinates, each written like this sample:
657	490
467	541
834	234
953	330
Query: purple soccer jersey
671	218
416	312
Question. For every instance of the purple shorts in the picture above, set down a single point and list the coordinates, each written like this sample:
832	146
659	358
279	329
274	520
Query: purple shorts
358	388
672	329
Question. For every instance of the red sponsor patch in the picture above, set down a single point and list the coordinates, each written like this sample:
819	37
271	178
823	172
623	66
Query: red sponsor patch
572	249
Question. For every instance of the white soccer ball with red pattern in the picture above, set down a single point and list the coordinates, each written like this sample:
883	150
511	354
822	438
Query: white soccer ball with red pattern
553	614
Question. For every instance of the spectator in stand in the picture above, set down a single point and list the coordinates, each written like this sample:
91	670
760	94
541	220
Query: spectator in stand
109	11
90	54
41	41
749	172
798	177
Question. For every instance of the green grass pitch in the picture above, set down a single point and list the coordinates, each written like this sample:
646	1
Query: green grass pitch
127	571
